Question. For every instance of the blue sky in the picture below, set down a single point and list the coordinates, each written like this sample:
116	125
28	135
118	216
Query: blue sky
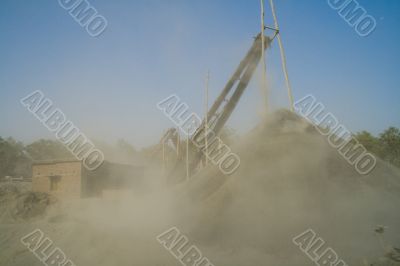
109	85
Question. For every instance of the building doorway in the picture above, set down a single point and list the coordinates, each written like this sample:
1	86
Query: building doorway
55	182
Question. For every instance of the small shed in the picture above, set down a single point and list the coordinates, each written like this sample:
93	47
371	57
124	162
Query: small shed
69	179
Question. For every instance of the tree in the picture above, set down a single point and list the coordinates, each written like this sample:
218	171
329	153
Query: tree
48	150
386	146
13	161
371	143
390	140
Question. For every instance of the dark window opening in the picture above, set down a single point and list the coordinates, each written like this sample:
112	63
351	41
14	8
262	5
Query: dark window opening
54	182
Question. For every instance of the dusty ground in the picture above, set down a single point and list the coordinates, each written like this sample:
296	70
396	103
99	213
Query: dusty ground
289	180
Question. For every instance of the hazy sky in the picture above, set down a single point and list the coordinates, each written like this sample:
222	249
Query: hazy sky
109	85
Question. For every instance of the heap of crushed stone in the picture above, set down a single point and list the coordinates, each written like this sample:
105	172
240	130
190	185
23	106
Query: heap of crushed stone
290	179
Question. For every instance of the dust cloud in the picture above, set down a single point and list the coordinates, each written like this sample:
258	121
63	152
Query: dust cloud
289	180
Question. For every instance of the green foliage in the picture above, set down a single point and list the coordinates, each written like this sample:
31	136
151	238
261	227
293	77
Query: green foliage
371	143
13	161
48	150
390	140
16	158
386	146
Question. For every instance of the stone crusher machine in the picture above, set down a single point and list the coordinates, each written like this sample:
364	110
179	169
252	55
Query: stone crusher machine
221	109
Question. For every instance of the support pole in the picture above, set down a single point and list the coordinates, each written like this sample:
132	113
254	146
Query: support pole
205	114
264	89
283	58
187	155
178	140
163	155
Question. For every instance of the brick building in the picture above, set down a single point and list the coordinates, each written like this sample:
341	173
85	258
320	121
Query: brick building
69	179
